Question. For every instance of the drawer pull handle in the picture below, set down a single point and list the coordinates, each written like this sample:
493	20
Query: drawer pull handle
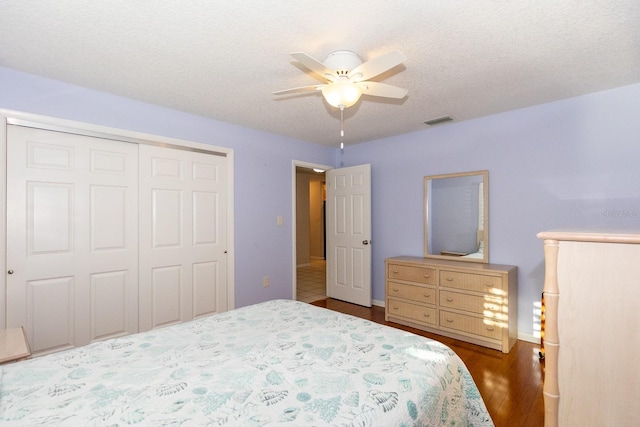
427	296
426	315
396	290
395	307
449	299
450	320
395	272
449	279
489	285
427	275
490	328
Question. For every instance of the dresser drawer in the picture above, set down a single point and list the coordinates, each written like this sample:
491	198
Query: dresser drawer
471	282
484	305
470	324
415	312
412	274
414	293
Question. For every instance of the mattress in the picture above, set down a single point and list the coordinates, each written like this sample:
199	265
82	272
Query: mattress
276	363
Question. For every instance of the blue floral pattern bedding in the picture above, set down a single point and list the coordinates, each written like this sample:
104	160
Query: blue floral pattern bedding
275	363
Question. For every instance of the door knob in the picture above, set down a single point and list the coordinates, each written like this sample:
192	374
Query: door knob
10	272
365	242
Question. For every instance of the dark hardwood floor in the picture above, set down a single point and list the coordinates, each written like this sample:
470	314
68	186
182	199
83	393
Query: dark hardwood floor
510	384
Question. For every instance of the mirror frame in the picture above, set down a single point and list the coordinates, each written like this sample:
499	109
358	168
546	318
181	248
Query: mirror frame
485	204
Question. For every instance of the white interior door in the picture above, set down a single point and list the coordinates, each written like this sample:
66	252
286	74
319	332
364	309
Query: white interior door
72	244
349	234
183	266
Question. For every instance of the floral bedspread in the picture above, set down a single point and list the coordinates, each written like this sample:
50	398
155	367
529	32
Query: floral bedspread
276	363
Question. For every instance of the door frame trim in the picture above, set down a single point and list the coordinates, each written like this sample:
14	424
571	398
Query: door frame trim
294	199
18	118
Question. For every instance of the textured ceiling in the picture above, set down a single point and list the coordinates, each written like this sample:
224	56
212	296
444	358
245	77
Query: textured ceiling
223	60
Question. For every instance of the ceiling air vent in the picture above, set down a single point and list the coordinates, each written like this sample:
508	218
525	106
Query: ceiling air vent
439	120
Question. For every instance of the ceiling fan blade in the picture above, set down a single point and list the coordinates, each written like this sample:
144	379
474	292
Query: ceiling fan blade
377	66
312	64
382	89
299	89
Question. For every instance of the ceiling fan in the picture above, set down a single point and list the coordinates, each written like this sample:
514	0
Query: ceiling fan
348	78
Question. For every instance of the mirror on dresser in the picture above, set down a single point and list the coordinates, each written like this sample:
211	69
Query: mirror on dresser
456	216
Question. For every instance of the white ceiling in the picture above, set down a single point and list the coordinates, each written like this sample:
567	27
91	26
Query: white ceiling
223	59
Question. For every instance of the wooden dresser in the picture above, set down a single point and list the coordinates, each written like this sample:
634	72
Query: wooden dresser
592	310
468	301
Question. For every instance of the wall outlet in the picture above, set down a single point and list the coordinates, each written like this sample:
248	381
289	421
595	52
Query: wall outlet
279	220
265	281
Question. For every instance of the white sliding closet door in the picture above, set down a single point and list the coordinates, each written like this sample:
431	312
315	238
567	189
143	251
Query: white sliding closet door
72	241
183	266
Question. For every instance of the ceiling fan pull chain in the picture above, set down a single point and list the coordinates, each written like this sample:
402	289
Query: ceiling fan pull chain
342	127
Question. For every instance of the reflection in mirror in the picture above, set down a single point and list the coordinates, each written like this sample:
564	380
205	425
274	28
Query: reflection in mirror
456	216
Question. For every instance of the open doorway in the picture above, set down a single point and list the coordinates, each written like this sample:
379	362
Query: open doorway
310	236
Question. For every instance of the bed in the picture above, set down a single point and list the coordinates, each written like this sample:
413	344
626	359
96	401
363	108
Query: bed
275	363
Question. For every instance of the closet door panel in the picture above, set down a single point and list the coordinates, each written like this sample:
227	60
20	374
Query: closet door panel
108	218
205	291
71	220
49	218
205	217
167	294
108	304
183	235
209	225
166	218
50	313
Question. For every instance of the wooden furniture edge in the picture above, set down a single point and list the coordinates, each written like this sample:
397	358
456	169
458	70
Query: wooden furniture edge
591	236
550	391
12	333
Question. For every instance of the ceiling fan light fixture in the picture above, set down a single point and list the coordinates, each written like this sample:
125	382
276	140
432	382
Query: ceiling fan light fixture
342	94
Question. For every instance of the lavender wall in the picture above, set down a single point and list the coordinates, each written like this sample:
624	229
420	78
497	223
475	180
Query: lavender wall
263	168
572	163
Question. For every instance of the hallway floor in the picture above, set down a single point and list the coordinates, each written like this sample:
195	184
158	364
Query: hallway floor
311	281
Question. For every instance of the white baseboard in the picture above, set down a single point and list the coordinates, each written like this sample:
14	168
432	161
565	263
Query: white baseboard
528	337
